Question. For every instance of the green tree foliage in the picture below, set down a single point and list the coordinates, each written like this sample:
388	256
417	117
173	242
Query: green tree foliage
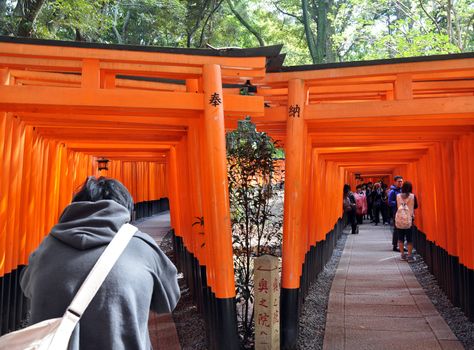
312	31
79	20
390	28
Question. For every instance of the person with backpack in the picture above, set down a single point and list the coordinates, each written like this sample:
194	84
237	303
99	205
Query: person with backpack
395	189
406	205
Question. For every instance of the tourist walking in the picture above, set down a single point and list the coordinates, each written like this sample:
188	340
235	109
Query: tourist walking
385	210
143	278
392	203
361	204
349	204
370	201
377	200
406	205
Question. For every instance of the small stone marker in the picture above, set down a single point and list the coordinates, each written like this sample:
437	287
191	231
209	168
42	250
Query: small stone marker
267	302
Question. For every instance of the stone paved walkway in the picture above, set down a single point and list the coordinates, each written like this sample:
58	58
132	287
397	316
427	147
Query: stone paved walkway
163	334
156	226
376	301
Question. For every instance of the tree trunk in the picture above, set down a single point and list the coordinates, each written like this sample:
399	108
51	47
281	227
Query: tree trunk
246	24
3	15
308	31
449	20
79	36
3	7
324	49
118	36
126	22
391	50
203	29
198	17
458	30
27	10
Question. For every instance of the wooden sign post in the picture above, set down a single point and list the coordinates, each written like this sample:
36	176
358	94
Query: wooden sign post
267	302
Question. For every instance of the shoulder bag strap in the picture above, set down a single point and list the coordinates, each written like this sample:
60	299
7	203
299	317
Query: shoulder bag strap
90	286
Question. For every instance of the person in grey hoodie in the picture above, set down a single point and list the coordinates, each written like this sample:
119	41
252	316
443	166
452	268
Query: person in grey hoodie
143	278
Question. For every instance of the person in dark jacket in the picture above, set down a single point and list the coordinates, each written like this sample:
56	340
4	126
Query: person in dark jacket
377	199
370	201
350	208
385	209
143	278
395	189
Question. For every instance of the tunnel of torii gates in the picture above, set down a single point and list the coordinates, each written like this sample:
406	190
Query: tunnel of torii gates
160	116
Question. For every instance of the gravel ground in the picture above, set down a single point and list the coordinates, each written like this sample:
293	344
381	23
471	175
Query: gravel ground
454	317
313	315
189	323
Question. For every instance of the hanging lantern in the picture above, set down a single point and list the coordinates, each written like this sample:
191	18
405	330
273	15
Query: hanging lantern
248	89
102	164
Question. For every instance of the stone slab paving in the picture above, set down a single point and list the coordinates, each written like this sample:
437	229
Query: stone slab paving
376	301
163	334
156	226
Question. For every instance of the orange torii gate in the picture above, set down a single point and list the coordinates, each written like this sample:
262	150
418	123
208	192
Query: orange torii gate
164	111
413	117
158	114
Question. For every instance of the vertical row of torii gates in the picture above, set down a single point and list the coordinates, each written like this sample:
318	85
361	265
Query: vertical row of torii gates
160	115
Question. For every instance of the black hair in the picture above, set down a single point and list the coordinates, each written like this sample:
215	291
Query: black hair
94	190
358	186
347	189
407	188
398	177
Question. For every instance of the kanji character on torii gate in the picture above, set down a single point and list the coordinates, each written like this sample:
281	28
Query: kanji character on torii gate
160	115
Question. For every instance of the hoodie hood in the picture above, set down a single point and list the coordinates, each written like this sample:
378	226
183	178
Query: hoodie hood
393	187
86	225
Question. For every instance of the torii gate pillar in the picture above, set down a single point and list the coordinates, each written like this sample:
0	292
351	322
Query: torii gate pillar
219	220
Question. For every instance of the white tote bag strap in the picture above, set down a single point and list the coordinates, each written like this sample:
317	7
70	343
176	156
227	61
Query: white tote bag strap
91	285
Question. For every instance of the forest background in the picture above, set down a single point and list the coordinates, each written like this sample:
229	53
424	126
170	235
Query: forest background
312	31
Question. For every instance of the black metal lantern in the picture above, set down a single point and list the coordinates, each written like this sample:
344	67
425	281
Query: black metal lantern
248	89
102	164
357	176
